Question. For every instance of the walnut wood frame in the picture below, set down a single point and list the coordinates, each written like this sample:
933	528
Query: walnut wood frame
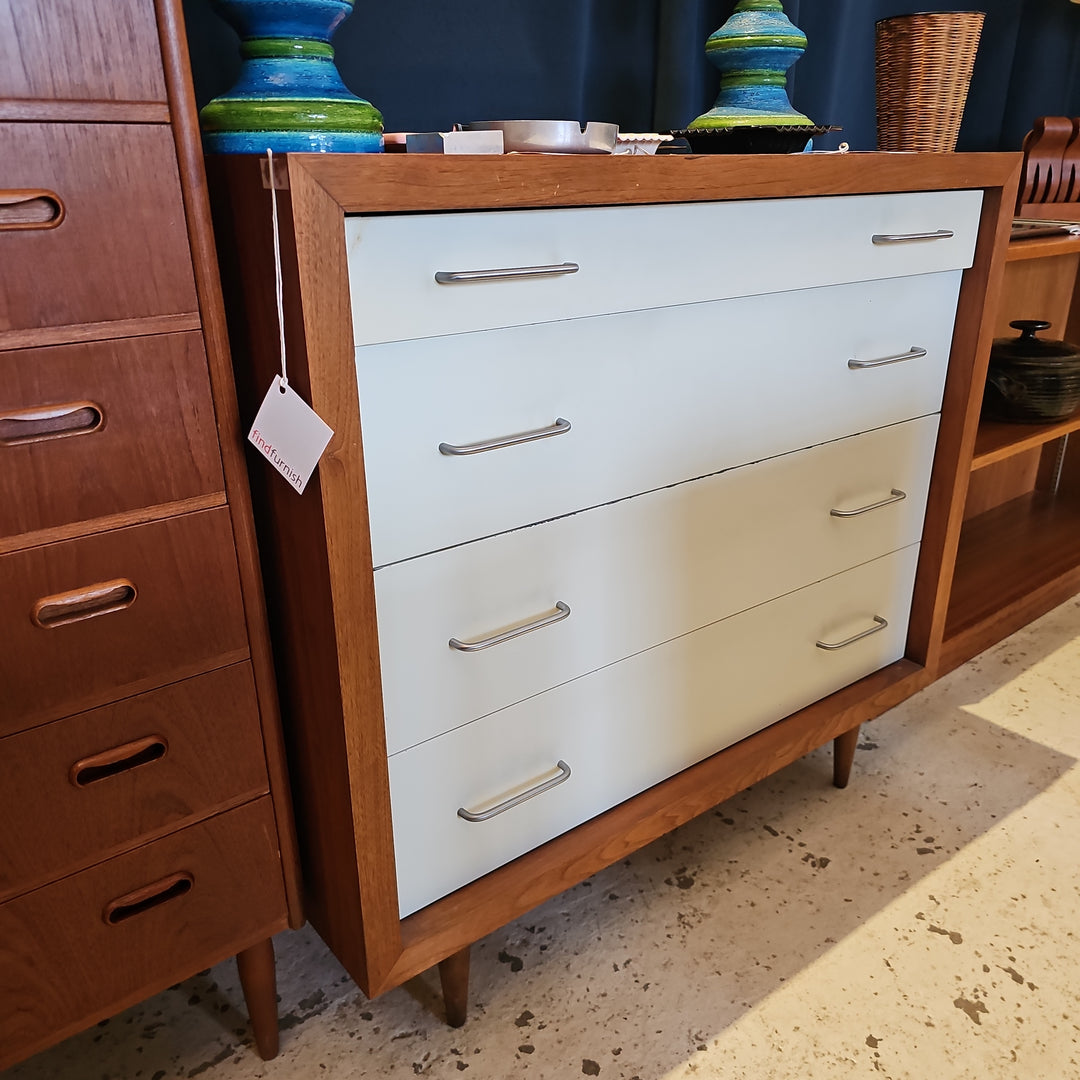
317	550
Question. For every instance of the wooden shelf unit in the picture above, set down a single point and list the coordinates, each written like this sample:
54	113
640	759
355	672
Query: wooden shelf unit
1018	555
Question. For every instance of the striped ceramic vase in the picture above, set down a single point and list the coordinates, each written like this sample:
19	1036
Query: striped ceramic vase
289	96
754	50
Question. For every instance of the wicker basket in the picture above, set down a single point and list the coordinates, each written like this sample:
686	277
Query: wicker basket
923	69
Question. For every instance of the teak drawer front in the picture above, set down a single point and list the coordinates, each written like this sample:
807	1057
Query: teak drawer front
652	398
95	429
120	250
89	621
635	574
79	789
633	257
630	725
216	888
71	50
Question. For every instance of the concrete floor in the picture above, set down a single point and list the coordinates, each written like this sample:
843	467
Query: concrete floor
921	924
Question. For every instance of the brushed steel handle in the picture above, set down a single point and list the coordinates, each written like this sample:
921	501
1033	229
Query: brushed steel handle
895	496
907	238
914	353
75	605
30	209
830	645
517	800
506	273
149	896
561	612
560	427
119	759
50	422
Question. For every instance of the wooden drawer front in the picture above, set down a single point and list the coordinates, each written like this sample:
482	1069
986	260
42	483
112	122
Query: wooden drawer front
635	574
102	428
71	49
630	725
633	257
121	248
162	602
80	789
64	965
652	398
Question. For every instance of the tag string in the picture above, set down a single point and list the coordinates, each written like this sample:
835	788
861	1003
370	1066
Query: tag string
278	287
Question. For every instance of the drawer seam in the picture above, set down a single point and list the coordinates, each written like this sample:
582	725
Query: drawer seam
659	644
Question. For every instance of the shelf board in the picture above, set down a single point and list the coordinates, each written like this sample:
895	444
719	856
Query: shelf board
1041	247
997	441
1014	563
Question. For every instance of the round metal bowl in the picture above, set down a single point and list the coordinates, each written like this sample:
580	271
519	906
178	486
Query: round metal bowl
550	136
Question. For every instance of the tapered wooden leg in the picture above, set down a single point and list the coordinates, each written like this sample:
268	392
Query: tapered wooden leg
843	755
258	980
454	976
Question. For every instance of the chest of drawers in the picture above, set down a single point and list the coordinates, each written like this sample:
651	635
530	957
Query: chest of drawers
145	818
642	485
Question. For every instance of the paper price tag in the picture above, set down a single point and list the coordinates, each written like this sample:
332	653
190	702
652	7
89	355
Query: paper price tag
289	434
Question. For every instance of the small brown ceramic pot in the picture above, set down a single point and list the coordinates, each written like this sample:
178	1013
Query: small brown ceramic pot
1032	380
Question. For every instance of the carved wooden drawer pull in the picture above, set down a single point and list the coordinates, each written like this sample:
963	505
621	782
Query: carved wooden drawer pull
60	609
149	896
50	422
119	759
30	209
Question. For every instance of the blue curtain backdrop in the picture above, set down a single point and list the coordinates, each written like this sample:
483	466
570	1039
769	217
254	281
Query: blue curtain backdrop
641	63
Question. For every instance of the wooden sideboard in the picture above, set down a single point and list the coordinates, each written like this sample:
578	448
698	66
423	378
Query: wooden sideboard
147	829
705	321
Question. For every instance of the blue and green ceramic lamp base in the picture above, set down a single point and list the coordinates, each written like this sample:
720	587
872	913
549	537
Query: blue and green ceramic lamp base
289	96
754	50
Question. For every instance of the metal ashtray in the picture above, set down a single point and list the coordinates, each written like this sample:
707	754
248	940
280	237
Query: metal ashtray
550	136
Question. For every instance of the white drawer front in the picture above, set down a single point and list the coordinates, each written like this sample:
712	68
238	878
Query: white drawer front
633	257
652	397
634	574
628	726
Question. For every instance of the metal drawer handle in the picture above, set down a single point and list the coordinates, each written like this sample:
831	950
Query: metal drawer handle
561	612
912	354
149	896
907	238
507	273
830	645
30	209
560	427
52	422
119	759
895	496
60	609
517	800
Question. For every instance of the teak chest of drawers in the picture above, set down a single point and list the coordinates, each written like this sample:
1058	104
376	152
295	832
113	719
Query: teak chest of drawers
145	819
644	483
